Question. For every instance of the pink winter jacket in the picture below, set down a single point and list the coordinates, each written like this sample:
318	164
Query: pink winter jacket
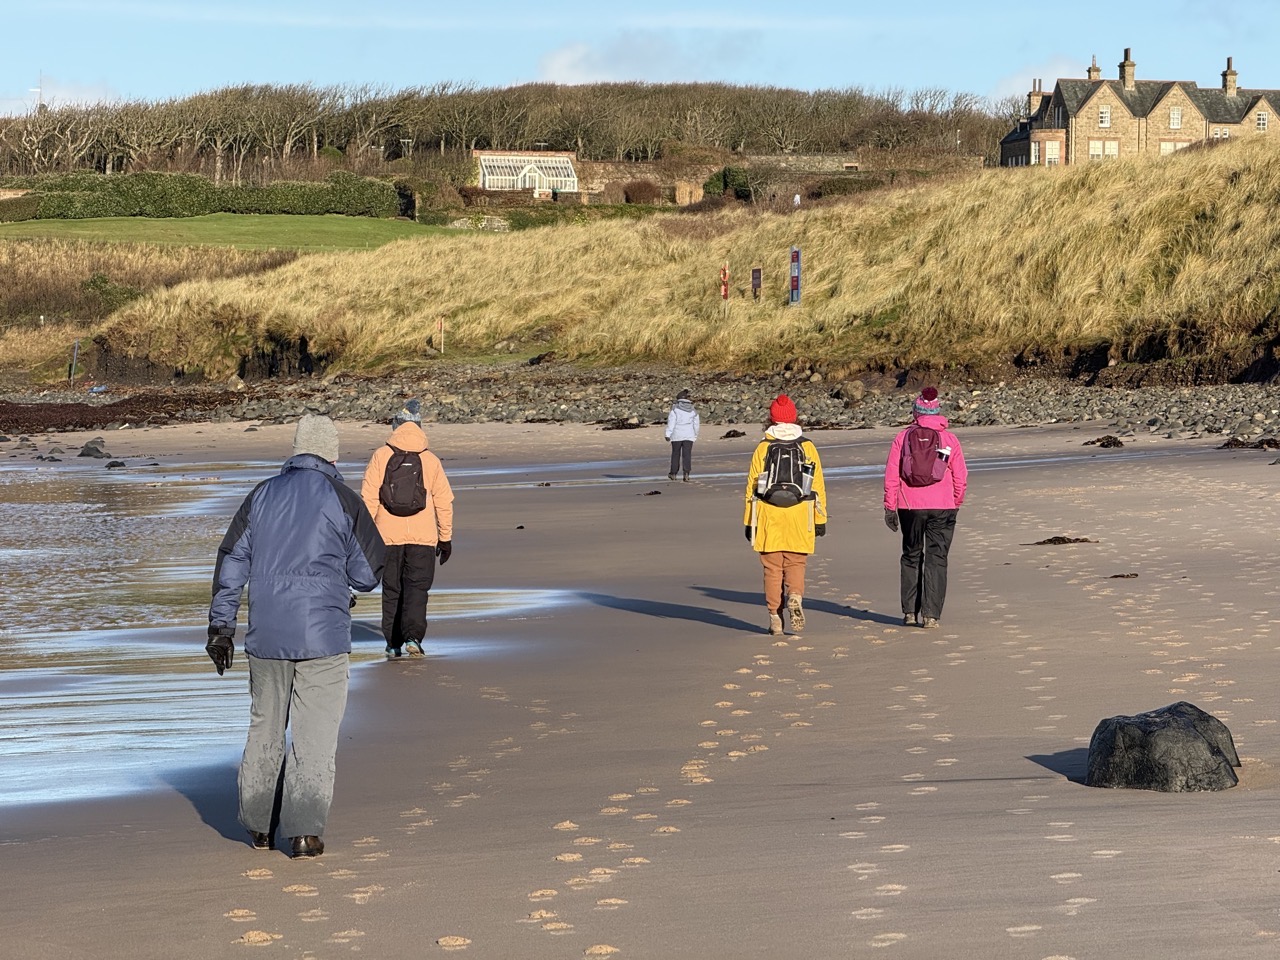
946	494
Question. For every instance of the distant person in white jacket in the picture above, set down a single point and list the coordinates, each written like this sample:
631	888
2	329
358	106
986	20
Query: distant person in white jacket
682	430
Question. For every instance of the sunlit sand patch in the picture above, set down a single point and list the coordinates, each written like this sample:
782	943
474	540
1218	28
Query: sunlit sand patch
867	806
365	894
731	686
709	723
1061	838
586	841
895	848
890	890
311	916
258	938
612	811
739	713
538	916
618	845
611	903
453	942
709	744
757	748
240	915
302	890
600	950
542	894
565	825
557	926
921	791
886	939
780	643
647	816
867	913
667	830
744	670
620	796
342	874
912	776
946	761
569	857
1066	877
853	835
756	693
725	733
1106	854
1029	930
259	873
1073	906
634	861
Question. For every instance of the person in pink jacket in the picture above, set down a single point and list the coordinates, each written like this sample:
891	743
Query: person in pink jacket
924	485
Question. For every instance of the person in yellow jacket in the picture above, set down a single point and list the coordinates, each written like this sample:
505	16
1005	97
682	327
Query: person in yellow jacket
415	536
784	535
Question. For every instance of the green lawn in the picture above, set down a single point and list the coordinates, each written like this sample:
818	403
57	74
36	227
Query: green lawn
229	230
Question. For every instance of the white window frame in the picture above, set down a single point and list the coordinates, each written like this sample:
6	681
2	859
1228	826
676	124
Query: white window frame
1104	116
1035	152
1217	133
1095	150
1052	153
1175	118
1110	149
1260	121
1226	133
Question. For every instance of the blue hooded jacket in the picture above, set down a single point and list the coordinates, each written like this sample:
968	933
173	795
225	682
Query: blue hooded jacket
301	541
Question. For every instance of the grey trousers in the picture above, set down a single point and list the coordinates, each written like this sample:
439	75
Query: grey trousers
926	540
308	697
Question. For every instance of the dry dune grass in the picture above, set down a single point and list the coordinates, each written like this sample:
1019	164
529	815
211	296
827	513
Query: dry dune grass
1171	256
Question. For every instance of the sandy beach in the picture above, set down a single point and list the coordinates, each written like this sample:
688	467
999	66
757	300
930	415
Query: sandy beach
624	764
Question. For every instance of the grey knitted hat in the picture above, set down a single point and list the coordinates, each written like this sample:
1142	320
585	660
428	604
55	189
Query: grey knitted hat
411	412
317	435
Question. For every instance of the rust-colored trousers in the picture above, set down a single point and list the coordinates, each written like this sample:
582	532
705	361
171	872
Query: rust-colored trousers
783	576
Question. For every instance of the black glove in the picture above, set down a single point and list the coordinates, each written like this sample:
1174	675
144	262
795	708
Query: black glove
444	550
891	519
221	648
747	532
820	529
351	605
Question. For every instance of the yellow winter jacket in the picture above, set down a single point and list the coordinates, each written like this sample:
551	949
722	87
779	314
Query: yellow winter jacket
784	528
432	524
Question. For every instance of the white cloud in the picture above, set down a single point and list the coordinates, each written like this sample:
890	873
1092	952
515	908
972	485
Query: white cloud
649	55
56	93
1050	71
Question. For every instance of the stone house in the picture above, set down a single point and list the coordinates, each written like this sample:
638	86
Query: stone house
1095	119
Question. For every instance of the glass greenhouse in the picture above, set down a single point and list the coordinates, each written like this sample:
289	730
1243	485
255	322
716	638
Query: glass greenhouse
513	171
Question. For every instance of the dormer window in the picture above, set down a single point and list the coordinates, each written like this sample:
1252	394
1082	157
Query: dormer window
1261	121
1104	115
1175	118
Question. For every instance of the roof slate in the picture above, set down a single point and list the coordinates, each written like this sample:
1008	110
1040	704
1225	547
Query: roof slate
1214	103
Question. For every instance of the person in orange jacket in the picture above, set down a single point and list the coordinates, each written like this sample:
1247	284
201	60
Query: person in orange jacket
415	518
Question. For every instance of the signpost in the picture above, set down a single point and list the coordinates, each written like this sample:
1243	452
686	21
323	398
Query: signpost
795	277
757	281
724	282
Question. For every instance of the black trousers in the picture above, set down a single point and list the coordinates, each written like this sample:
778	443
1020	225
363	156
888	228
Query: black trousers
926	539
680	449
406	580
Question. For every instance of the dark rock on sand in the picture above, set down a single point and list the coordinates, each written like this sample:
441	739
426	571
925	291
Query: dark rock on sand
1174	749
97	447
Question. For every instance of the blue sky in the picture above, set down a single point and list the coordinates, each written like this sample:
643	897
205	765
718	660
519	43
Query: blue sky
88	50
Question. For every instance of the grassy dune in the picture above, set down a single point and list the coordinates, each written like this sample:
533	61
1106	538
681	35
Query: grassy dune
1175	257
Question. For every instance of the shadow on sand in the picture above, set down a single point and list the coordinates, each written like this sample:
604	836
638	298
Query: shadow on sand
811	605
672	611
1072	764
213	794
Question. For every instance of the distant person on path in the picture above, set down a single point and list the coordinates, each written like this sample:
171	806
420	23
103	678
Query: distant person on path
682	429
795	202
409	496
300	576
786	508
924	484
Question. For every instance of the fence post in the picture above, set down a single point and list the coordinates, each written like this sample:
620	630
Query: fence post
75	357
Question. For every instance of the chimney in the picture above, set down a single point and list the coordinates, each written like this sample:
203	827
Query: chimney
1127	67
1229	80
1035	98
1094	72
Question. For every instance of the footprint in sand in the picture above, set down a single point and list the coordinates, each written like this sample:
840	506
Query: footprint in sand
542	895
611	903
363	895
302	890
600	950
569	857
886	939
453	943
261	873
240	915
311	916
258	938
869	913
557	926
345	936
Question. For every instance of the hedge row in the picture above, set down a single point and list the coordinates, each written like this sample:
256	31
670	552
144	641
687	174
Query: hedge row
80	196
13	209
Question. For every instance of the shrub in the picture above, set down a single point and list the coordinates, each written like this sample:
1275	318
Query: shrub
842	186
613	193
731	180
14	209
642	191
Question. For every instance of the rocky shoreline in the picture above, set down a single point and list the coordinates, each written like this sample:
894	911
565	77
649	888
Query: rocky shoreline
521	392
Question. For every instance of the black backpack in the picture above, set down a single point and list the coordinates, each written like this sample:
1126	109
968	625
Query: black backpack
403	492
782	479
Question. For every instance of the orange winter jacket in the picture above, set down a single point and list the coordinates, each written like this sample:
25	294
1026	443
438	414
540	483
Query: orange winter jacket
433	524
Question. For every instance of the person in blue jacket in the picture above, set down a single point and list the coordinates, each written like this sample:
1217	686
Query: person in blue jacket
301	542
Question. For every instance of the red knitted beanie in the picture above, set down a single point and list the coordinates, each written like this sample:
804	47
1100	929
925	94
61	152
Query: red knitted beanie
782	410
